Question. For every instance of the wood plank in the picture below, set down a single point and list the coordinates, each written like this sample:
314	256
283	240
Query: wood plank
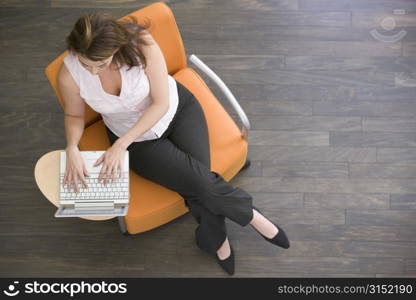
281	107
278	200
376	249
265	47
31	265
396	155
379	170
355	249
395	275
29	255
31	104
293	77
344	232
337	200
282	32
325	185
410	267
250	91
366	19
18	173
385	93
25	3
242	62
233	15
36	127
285	216
388	108
381	217
403	201
253	109
289	138
260	5
304	123
300	153
409	48
370	64
320	249
387	124
48	17
31	90
305	169
368	5
372	139
323	265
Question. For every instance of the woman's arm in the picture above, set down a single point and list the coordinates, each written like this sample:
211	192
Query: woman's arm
74	108
157	73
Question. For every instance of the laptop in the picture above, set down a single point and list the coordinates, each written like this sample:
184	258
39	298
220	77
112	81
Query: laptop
98	199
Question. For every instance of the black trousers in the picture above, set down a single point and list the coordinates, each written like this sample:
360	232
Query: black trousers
180	161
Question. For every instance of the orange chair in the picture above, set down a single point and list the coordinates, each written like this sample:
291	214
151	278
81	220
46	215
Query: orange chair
152	205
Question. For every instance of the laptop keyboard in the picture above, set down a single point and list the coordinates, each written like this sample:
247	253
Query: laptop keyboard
119	189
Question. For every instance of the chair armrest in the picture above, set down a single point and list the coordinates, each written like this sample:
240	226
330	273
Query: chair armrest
243	117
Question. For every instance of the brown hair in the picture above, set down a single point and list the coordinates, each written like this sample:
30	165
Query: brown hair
99	35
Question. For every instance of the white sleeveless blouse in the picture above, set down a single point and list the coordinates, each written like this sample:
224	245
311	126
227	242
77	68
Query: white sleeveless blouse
120	113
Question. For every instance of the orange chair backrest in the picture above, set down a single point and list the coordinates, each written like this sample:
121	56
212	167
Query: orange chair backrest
163	29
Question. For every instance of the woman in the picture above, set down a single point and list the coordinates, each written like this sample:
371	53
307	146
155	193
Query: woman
118	69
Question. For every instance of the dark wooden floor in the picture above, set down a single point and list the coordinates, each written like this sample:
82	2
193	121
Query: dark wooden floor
333	140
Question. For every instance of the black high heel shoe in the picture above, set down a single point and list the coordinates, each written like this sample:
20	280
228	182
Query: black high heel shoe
227	264
280	239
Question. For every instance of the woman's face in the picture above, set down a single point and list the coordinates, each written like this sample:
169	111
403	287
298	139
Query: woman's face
95	66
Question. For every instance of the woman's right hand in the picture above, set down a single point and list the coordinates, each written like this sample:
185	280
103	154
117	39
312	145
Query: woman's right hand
74	169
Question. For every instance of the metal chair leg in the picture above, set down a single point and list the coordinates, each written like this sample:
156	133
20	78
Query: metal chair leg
122	225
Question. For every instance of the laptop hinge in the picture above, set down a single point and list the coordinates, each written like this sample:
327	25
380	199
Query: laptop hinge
93	205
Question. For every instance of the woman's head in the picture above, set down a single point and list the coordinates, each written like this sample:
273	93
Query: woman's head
99	39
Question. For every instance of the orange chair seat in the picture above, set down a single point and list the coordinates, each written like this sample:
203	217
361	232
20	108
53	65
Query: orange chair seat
152	204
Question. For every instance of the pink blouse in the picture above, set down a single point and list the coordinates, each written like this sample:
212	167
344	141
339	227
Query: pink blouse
120	113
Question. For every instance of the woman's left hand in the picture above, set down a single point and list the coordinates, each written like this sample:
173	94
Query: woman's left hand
113	161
